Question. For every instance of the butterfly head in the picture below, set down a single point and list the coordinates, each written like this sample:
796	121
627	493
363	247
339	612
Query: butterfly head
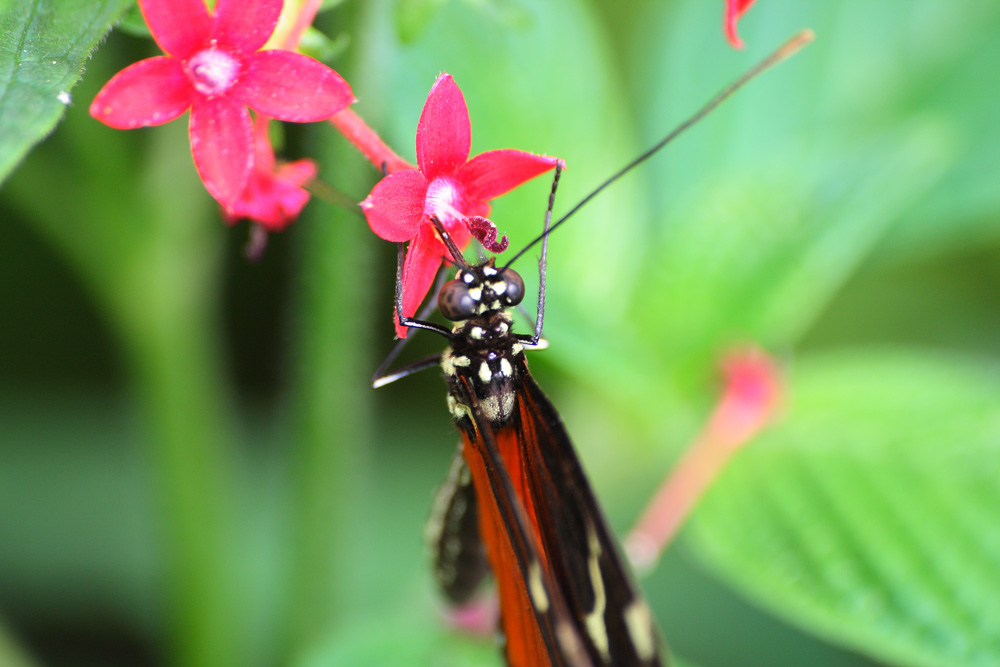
477	290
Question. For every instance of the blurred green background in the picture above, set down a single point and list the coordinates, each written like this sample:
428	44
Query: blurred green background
193	469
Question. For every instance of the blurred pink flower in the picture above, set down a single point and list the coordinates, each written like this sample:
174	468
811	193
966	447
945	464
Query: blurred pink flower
734	10
214	68
273	196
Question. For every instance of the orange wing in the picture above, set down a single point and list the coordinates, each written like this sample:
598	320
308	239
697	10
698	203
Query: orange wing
566	597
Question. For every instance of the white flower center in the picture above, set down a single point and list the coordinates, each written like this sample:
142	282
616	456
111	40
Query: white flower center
442	197
212	71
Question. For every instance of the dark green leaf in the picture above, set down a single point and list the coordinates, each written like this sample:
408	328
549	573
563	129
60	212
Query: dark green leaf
133	23
43	46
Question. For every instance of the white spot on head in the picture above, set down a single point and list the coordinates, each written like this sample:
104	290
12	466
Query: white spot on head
476	293
467	278
499	287
536	587
489	271
64	97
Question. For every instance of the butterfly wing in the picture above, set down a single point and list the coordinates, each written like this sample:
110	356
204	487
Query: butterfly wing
535	616
566	597
607	607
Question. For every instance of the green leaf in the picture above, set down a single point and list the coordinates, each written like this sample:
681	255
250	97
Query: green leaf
316	44
43	45
868	514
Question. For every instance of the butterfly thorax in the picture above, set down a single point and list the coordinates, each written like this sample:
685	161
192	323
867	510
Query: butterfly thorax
488	356
484	352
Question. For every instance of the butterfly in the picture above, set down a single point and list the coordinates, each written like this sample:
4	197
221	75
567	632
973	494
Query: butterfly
517	502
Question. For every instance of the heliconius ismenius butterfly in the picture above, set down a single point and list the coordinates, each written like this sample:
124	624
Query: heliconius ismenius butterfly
516	501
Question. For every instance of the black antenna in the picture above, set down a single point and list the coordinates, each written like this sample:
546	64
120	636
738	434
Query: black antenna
449	243
789	48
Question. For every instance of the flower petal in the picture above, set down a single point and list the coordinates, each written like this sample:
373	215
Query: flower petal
245	25
734	10
222	146
443	133
274	199
293	87
180	27
299	172
150	92
395	206
423	259
491	174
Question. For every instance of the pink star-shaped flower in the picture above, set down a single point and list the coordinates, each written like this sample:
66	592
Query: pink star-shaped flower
274	196
214	68
734	10
447	185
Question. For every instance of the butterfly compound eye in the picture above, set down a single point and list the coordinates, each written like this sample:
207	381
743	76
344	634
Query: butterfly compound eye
515	287
455	302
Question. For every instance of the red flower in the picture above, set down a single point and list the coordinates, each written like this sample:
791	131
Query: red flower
273	197
734	10
448	185
214	68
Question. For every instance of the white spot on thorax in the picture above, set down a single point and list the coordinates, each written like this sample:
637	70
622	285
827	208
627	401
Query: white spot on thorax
485	374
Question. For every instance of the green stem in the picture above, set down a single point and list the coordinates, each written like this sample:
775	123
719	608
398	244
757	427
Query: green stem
334	408
151	256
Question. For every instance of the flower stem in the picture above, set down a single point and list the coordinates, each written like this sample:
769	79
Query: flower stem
296	17
368	142
748	403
